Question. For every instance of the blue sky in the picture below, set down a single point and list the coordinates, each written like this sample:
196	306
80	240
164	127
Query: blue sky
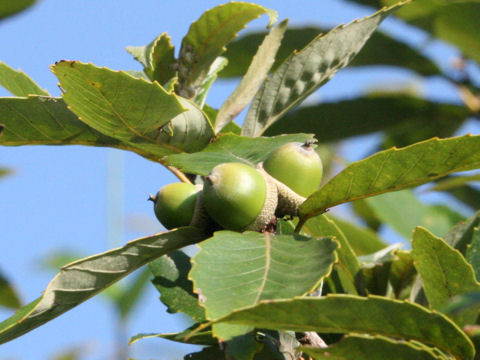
57	197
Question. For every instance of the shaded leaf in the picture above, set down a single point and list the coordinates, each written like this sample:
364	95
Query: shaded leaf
176	290
380	257
11	7
253	78
231	148
82	279
348	265
362	240
399	114
242	347
457	23
373	348
451	182
129	294
403	212
204	337
461	235
459	187
402	272
18	83
305	71
157	58
234	270
396	169
381	49
473	253
444	272
374	315
207	37
8	296
208	353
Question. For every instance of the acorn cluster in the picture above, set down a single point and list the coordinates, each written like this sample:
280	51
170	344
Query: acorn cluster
238	197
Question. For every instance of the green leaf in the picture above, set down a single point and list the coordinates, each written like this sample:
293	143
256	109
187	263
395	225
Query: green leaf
45	121
253	78
204	337
217	66
459	187
373	348
242	347
348	264
4	171
380	49
208	353
305	71
396	169
114	103
399	114
473	253
129	295
157	58
231	148
403	211
373	315
207	37
82	279
11	7
402	273
452	182
462	234
444	272
40	120
134	111
8	296
458	24
362	240
453	21
171	280
18	83
234	270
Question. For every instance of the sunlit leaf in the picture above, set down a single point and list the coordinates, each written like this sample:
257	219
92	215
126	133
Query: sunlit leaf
253	78
17	82
231	148
306	70
373	348
82	279
380	50
157	58
206	40
204	337
374	315
234	270
396	169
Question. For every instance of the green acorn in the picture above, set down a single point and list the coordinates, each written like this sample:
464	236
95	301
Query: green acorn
296	165
239	197
174	204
